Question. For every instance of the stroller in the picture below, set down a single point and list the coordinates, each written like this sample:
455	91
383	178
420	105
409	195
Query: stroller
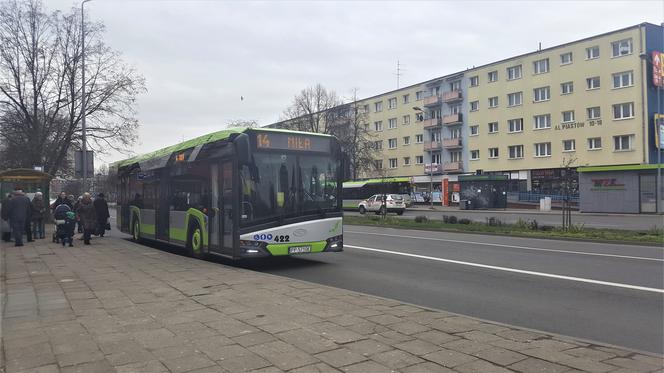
65	222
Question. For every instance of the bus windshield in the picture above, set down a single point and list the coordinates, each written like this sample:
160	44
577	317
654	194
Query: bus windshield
287	184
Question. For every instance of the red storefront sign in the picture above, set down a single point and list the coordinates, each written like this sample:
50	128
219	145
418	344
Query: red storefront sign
658	68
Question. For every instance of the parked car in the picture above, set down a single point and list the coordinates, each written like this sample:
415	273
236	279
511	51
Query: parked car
393	203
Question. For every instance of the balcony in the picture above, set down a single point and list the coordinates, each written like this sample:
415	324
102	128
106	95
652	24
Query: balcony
431	122
432	145
433	168
452	119
452	96
434	100
453	166
452	143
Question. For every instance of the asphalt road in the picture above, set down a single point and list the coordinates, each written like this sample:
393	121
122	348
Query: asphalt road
629	222
608	293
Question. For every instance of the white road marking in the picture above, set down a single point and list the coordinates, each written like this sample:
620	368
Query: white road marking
521	271
512	246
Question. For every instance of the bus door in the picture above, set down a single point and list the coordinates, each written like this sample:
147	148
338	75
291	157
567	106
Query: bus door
221	225
163	208
122	211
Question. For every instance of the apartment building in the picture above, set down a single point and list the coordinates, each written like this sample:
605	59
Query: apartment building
589	102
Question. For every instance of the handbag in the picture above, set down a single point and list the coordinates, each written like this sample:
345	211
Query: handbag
108	226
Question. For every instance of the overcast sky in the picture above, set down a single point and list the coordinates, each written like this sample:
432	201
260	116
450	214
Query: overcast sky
200	57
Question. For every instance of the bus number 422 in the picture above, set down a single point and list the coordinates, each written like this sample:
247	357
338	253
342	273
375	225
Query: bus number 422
285	238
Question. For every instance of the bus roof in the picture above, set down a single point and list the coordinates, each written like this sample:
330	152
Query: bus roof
361	183
201	140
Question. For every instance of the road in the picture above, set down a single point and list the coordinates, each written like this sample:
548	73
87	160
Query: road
629	222
608	293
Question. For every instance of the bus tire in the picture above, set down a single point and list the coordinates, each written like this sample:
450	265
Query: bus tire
363	210
195	241
136	230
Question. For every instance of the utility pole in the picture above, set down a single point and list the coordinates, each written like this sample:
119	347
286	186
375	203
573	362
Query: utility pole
84	155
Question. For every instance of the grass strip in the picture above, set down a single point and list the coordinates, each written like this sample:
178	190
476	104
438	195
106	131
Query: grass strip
654	236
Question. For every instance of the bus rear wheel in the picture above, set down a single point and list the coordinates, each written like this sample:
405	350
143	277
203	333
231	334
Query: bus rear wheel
195	242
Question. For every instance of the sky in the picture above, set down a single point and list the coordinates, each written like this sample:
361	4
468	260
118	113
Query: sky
200	58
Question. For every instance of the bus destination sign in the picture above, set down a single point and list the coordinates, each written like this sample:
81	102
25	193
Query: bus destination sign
287	141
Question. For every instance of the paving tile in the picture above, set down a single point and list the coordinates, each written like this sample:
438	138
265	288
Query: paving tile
480	366
436	337
101	366
283	355
308	341
252	339
367	347
637	365
537	365
340	357
244	363
427	367
466	346
500	356
188	363
417	347
449	358
315	368
367	367
396	359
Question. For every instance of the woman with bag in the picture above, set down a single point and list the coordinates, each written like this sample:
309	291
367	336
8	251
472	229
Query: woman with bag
101	208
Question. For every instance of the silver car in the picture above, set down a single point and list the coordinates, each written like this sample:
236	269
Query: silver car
393	203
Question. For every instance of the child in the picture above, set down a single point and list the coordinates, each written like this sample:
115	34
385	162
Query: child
65	220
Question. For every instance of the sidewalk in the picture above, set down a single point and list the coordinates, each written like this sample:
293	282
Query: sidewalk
116	306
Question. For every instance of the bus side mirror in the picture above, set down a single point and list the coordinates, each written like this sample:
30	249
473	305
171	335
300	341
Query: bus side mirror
242	149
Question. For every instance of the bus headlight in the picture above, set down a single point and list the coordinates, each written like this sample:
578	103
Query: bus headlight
335	243
252	247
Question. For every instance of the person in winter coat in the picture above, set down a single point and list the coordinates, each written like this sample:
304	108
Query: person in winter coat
62	198
76	203
87	217
38	215
101	208
19	215
4	219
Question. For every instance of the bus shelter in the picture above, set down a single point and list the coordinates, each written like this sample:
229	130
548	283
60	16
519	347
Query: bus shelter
30	181
483	192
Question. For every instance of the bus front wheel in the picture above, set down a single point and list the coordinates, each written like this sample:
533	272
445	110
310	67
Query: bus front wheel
195	241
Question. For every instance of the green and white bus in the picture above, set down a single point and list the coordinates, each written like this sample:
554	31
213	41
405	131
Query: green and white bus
236	193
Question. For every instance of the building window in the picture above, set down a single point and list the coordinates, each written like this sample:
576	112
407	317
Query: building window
492	76
406	140
569	145
493	127
474	81
515	99
493	102
543	149
455	85
455	109
623	79
515	125
419	159
378	106
623	111
594	112
566	88
594	143
493	153
474	130
567	116
366	108
419	95
566	58
515	151
378	164
622	47
454	157
514	72
406	161
592	53
541	94
378	126
406	98
392	143
623	143
393	162
392	103
542	121
406	120
541	66
378	145
474	105
474	155
419	138
392	123
592	83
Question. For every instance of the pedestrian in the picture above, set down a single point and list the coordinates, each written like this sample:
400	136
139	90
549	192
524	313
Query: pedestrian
101	208
87	217
62	198
38	215
5	228
19	212
76	203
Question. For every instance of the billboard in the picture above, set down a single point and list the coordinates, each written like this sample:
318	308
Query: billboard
659	131
658	69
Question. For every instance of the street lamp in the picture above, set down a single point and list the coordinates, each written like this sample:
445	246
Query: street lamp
417	108
84	155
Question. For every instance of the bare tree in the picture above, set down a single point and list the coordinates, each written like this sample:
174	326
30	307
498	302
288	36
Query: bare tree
569	188
248	123
308	110
40	87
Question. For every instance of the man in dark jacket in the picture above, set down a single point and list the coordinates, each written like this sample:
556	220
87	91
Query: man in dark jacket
19	214
101	209
62	198
87	217
4	215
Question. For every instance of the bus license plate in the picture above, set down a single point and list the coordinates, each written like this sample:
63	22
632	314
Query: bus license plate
299	249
